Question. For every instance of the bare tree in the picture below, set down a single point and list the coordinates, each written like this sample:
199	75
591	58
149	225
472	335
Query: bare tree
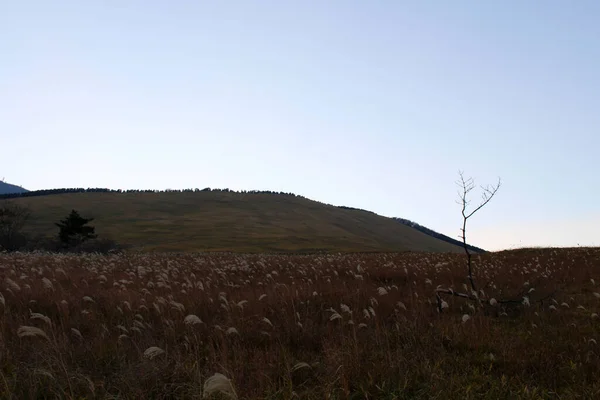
519	299
466	186
12	220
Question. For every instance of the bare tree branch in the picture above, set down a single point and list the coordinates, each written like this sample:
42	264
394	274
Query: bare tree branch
465	187
488	192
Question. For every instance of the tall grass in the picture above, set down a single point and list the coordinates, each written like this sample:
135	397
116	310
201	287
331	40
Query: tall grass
280	327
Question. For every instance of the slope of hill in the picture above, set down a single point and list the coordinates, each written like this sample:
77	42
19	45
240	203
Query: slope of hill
229	221
438	235
7	188
429	232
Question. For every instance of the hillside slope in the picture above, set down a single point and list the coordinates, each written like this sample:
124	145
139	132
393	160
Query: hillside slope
438	235
7	188
229	221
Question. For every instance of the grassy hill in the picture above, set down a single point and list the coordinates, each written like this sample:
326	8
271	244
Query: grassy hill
229	221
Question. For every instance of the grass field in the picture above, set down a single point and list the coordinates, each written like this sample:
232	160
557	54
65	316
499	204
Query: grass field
353	326
221	221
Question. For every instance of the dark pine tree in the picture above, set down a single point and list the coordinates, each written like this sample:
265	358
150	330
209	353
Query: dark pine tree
74	230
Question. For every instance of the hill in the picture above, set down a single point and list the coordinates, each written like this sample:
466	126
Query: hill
7	188
229	221
438	235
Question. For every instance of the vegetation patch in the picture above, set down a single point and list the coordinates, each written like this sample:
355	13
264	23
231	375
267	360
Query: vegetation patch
161	326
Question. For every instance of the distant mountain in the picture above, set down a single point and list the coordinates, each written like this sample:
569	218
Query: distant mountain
437	235
7	188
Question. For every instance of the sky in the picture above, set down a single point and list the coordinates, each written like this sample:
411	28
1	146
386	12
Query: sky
369	104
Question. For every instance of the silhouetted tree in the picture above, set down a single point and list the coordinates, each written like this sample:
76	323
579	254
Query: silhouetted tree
466	186
74	230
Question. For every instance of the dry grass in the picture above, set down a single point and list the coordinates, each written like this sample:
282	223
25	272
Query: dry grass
310	327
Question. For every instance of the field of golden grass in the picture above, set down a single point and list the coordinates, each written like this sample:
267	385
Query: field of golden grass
338	326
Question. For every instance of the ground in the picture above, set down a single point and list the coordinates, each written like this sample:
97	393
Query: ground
337	326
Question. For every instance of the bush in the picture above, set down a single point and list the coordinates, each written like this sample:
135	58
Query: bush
50	244
42	243
103	246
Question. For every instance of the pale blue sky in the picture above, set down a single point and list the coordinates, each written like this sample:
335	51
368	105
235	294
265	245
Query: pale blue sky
371	104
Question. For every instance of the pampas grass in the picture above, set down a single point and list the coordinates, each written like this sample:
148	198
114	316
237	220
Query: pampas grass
41	317
231	331
192	320
47	284
335	316
152	352
218	384
300	365
12	285
77	333
31	331
378	336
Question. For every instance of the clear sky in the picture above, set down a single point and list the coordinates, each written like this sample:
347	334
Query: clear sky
370	104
